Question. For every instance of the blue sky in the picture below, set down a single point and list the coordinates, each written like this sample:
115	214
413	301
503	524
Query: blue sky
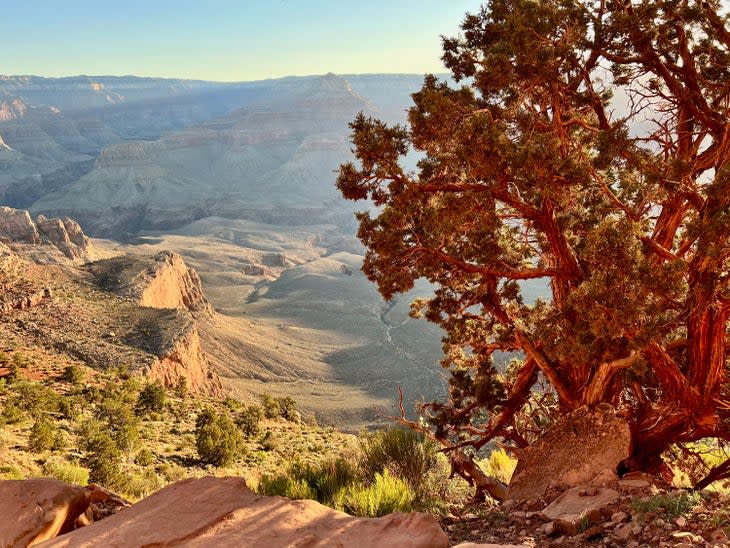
226	40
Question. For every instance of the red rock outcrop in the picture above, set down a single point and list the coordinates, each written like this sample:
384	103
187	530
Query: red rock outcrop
38	509
170	283
185	358
213	512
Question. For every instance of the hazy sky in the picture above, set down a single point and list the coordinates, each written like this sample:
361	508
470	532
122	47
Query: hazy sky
225	40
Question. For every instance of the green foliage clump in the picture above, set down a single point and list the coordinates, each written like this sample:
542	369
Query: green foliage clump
403	452
673	504
387	494
288	409
104	459
73	374
249	420
270	405
218	441
42	436
121	423
144	457
69	472
35	399
150	399
325	482
269	441
499	465
181	388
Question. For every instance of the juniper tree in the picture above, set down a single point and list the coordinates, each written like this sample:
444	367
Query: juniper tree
584	144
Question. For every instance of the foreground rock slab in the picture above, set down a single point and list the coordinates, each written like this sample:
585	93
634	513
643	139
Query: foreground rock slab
580	446
38	509
213	512
576	503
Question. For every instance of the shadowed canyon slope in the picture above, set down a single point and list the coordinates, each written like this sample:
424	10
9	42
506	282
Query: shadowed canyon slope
239	180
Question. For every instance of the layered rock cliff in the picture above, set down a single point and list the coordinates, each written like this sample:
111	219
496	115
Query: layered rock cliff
164	282
185	358
18	227
157	281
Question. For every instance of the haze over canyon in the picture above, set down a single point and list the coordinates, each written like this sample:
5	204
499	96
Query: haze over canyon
238	179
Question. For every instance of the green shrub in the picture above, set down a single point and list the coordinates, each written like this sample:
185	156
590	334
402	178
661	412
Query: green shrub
42	436
673	504
249	420
288	409
218	441
269	442
285	486
69	472
144	457
36	399
270	405
71	406
385	495
181	388
73	374
205	417
232	404
121	422
499	465
12	413
103	459
140	485
151	399
405	453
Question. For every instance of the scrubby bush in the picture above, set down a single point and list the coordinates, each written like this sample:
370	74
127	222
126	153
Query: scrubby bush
217	439
181	388
385	495
151	399
499	465
325	482
144	457
249	420
404	452
12	413
269	442
42	436
270	405
103	459
72	374
69	472
205	417
288	409
35	399
232	404
71	406
139	485
121	422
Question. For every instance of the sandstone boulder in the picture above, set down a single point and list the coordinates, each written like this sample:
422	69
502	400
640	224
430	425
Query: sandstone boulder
579	502
38	509
580	445
213	512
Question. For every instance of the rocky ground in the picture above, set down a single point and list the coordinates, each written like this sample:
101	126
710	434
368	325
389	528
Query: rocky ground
647	516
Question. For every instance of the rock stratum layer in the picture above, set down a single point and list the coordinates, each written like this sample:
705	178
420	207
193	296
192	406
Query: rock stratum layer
18	227
213	512
162	280
186	359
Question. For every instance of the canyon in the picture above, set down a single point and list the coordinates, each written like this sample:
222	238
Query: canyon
237	181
